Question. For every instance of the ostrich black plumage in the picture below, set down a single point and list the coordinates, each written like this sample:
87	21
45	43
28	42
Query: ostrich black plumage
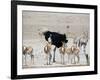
56	40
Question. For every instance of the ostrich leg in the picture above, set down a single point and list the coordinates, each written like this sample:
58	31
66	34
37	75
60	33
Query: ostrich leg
50	56
63	59
32	57
78	58
54	55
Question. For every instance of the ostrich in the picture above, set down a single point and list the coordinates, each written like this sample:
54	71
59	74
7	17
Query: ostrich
47	50
56	39
29	51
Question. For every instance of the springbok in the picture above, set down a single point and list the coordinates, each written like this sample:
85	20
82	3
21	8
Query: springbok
62	51
69	53
82	43
29	51
75	51
47	51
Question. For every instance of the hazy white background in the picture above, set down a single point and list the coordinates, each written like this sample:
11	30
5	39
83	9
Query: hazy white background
33	23
5	41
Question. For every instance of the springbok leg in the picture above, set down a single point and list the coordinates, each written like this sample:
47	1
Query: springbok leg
47	59
74	62
54	55
63	59
32	57
25	60
68	58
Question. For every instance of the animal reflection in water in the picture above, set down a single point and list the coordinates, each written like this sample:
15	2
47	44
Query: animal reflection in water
73	50
28	51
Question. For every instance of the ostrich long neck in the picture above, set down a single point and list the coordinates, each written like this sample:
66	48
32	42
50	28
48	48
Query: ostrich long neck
63	44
